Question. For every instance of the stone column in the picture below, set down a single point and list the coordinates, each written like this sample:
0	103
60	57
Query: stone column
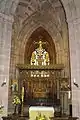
74	43
5	47
73	18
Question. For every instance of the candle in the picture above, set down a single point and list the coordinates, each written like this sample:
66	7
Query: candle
69	94
22	94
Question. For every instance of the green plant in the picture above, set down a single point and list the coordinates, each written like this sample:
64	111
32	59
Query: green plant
16	100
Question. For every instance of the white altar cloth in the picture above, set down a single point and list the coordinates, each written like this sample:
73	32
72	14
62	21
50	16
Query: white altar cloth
34	112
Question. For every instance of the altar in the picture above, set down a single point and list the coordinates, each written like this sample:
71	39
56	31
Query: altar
40	112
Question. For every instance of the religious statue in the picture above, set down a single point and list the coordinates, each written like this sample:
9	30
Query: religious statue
40	56
14	86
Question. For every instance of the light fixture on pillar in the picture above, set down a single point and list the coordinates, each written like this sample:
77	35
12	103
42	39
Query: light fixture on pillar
75	83
1	105
69	94
3	83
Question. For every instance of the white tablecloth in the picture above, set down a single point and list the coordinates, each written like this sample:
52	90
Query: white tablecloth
35	111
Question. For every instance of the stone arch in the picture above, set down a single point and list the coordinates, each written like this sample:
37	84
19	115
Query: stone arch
50	47
25	34
24	39
28	29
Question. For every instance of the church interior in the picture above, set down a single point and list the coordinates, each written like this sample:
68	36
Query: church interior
39	60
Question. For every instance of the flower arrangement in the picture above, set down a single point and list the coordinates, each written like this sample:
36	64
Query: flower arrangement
16	100
41	117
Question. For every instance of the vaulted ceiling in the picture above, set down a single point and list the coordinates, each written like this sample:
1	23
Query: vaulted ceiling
28	7
40	12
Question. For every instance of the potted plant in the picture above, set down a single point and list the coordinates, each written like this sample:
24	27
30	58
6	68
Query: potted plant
16	102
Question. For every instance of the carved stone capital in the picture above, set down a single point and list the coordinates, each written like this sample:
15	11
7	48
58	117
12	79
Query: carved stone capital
8	18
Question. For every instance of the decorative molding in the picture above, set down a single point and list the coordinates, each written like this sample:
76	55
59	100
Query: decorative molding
34	67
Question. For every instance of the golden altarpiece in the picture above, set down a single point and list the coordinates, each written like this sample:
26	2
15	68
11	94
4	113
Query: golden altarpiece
40	80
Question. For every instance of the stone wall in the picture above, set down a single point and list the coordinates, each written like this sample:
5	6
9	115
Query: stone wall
5	46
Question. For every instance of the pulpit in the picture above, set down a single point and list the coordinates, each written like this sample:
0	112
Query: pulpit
40	111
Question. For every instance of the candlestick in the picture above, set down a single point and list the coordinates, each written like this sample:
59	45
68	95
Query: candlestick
22	94
22	101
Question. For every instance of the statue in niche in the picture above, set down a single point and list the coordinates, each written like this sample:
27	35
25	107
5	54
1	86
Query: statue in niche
40	56
14	86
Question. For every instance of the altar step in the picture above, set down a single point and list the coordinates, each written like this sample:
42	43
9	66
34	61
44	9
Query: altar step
64	118
16	117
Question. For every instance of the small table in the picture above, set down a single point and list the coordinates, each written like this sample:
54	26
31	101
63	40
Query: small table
35	111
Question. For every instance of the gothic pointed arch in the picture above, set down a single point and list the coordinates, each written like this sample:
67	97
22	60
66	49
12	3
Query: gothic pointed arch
40	33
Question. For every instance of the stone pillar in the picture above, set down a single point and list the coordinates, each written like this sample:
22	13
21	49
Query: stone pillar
5	47
74	43
64	102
